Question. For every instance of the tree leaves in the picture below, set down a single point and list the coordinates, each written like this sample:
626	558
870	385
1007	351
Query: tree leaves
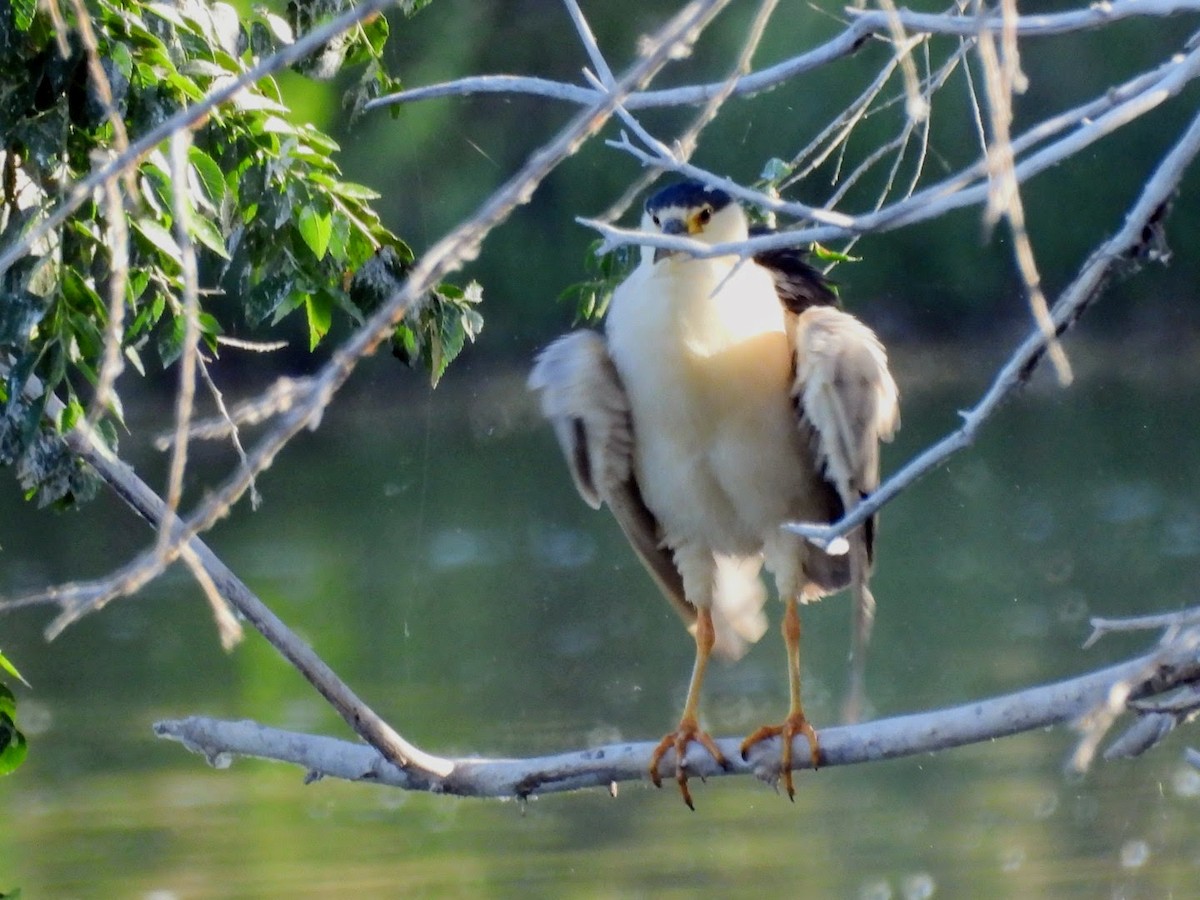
13	747
435	331
605	272
316	228
273	225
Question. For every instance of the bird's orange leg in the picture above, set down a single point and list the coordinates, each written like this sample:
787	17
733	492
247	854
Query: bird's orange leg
689	728
796	722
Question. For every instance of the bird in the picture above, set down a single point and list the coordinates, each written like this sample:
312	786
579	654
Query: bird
728	396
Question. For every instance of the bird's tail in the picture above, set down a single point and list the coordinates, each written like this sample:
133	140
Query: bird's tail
738	598
864	621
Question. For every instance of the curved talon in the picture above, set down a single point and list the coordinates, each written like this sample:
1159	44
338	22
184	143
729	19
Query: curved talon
793	725
688	731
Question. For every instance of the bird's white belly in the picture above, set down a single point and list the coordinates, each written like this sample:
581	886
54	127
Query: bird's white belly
717	451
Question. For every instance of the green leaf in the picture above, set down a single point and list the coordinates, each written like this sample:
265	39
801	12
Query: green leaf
775	170
352	191
320	316
157	235
13	748
8	667
316	228
22	12
824	253
209	173
207	234
8	702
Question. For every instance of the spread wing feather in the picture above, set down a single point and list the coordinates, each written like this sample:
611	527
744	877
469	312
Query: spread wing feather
582	396
849	403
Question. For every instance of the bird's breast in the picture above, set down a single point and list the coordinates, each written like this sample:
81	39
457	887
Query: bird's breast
706	361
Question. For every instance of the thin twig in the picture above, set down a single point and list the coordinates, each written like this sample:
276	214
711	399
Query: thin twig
688	140
1092	122
1002	78
864	25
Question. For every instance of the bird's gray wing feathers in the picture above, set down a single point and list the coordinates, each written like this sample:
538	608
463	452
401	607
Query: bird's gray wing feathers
845	392
848	402
582	396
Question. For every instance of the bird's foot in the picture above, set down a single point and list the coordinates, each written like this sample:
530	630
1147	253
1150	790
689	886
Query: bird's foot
688	731
793	725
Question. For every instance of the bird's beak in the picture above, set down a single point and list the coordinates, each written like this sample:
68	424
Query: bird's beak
670	226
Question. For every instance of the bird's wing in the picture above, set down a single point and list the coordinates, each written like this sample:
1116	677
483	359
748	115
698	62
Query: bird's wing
847	400
844	391
582	396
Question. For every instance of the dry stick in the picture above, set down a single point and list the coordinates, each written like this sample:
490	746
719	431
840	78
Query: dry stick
865	25
1002	78
1170	622
1094	120
142	499
688	140
441	259
908	735
1121	247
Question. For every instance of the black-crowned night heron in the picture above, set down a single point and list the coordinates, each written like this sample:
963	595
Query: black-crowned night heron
730	397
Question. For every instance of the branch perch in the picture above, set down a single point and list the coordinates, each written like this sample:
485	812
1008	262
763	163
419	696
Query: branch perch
605	766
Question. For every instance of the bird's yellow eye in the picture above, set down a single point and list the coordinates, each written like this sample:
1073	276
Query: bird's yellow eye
704	215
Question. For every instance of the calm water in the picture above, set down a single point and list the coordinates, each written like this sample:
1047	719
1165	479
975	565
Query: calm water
432	548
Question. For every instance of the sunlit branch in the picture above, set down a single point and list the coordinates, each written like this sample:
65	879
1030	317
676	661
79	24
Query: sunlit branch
604	767
1169	622
688	139
1091	122
1002	79
865	25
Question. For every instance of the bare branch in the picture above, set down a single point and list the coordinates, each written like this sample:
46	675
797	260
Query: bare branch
1002	78
909	735
1091	121
866	24
1169	622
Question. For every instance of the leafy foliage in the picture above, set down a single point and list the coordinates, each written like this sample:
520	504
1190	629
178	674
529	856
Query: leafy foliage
604	272
274	226
13	747
433	333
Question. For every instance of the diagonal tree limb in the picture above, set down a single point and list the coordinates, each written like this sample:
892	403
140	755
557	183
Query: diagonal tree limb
143	500
310	398
1031	709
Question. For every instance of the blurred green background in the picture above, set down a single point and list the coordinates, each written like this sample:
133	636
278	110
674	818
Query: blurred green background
431	547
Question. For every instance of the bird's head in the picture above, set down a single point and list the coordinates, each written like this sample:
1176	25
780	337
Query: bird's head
695	210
